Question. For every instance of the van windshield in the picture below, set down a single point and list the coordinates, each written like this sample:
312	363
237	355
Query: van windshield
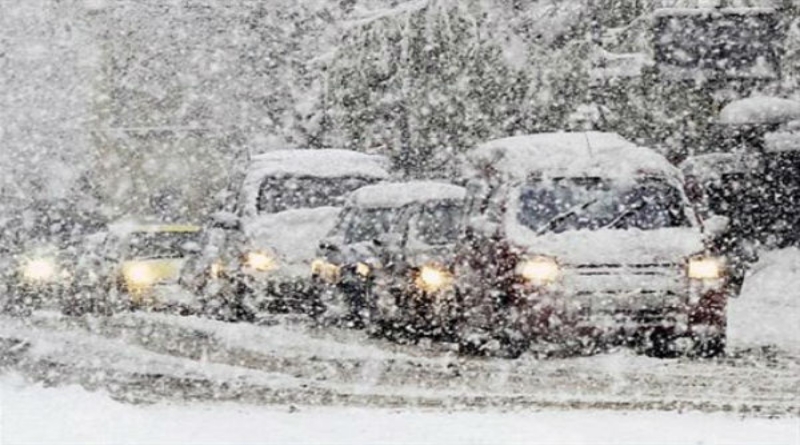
278	194
593	203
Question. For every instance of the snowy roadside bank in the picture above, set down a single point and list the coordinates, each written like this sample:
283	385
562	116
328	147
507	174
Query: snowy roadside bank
73	415
768	311
156	358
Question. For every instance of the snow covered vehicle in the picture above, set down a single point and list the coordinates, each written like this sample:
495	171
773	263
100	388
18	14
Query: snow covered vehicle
139	266
288	202
586	238
39	278
751	174
41	249
390	256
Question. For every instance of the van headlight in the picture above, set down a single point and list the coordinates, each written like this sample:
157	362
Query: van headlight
138	275
326	271
363	270
539	270
705	268
432	278
260	261
40	270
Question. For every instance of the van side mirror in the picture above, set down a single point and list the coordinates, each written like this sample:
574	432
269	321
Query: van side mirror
225	221
388	240
483	225
327	246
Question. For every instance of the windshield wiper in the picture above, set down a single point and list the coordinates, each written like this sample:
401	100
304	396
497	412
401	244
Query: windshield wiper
564	215
622	215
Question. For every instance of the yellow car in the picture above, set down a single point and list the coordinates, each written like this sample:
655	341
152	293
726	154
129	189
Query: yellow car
145	262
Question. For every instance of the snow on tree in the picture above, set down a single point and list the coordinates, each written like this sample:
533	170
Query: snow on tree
428	79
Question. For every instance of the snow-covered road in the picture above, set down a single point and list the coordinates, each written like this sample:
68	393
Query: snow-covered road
241	382
151	357
73	415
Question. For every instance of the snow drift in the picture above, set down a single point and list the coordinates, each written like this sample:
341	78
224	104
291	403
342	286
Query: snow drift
767	313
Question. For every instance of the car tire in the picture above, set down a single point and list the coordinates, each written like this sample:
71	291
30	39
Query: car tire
512	348
709	346
661	343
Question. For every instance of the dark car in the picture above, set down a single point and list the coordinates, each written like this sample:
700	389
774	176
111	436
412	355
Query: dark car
391	257
751	173
42	249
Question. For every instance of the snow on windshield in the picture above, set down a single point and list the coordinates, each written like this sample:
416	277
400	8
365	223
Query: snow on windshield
591	204
285	193
440	223
367	225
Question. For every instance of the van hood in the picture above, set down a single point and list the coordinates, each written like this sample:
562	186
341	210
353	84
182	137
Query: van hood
293	235
612	246
414	255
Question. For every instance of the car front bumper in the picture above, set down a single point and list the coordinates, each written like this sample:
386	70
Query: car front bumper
404	307
555	315
265	293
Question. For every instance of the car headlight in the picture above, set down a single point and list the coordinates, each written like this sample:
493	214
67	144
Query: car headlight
363	270
539	270
432	278
40	270
260	261
138	275
325	270
216	269
705	268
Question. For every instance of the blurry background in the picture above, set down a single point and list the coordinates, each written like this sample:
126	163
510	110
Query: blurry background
148	107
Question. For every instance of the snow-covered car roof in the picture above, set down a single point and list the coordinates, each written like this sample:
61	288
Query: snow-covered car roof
578	154
700	11
714	165
780	141
398	194
327	163
760	110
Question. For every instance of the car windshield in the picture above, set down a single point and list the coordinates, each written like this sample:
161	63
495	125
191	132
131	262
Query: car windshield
439	223
593	203
285	193
368	224
163	244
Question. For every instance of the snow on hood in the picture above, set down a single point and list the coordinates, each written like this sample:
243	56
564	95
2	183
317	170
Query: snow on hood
607	246
760	110
612	246
293	235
